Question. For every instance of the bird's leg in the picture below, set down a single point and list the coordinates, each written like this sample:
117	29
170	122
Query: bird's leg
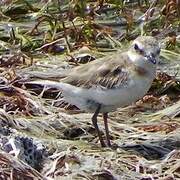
105	116
94	121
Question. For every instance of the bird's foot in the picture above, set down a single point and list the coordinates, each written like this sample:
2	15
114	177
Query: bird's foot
108	144
113	146
103	143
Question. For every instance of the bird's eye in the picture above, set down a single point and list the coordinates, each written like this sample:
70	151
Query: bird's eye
136	47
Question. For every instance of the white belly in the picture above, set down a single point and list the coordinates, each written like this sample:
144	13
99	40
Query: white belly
122	96
110	99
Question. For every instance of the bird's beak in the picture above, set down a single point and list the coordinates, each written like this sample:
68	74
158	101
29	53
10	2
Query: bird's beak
150	57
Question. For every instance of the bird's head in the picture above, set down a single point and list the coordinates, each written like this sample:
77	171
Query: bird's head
146	47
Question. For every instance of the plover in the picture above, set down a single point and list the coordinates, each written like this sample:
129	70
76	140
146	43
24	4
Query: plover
103	85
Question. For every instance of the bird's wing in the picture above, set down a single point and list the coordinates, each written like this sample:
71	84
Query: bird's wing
109	72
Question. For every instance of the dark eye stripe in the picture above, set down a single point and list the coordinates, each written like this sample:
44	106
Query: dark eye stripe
141	51
136	47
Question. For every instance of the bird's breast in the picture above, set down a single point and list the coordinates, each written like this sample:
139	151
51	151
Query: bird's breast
124	95
110	99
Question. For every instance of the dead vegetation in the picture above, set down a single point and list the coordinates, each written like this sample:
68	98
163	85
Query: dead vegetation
42	137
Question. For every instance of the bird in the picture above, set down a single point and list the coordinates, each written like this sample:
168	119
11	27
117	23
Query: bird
111	82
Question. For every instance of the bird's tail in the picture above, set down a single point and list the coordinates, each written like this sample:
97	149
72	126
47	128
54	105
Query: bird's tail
44	84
